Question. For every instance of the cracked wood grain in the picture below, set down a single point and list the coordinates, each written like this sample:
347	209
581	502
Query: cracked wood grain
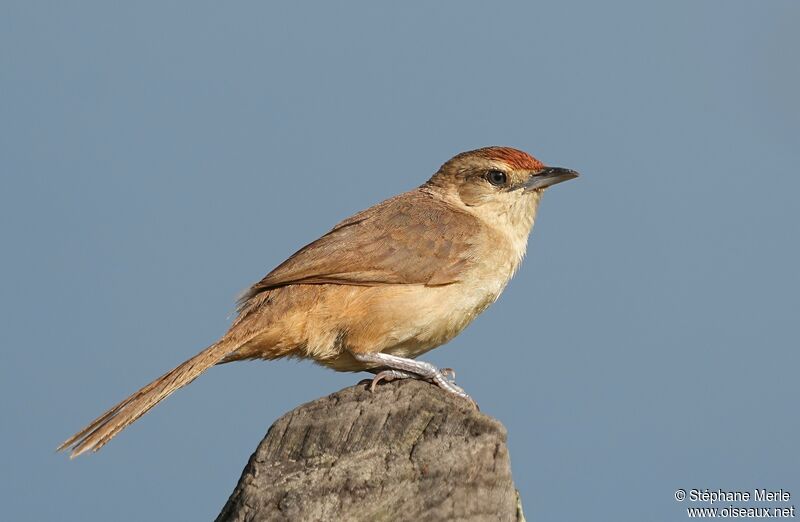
408	451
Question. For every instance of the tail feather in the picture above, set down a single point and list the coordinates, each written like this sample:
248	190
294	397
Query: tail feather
109	424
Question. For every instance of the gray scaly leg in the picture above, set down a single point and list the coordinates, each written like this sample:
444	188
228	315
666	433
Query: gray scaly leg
403	368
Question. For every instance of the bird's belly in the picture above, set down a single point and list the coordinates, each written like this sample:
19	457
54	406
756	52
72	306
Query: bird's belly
450	311
328	322
409	320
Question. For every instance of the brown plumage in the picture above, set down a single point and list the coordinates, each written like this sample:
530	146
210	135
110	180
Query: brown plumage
380	288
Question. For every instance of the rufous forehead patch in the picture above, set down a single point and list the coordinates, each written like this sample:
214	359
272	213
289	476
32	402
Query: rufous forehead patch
512	157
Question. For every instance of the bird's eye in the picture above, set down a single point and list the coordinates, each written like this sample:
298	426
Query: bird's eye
496	177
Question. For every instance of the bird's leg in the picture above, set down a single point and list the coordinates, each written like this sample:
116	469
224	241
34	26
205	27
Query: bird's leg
403	368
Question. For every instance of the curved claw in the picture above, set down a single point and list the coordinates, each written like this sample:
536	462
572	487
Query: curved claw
449	373
388	376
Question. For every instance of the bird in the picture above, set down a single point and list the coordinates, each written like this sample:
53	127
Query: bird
381	288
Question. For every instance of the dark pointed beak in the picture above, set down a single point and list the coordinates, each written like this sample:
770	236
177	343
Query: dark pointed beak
549	176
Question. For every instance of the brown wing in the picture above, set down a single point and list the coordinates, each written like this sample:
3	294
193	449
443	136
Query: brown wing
413	238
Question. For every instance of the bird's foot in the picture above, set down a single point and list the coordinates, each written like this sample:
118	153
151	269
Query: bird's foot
403	368
440	379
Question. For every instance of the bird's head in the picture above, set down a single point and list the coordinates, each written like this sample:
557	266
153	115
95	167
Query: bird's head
485	175
499	184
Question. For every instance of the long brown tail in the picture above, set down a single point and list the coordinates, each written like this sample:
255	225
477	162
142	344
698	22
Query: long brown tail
108	425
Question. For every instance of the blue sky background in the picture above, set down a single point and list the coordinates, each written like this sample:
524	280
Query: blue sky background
158	157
